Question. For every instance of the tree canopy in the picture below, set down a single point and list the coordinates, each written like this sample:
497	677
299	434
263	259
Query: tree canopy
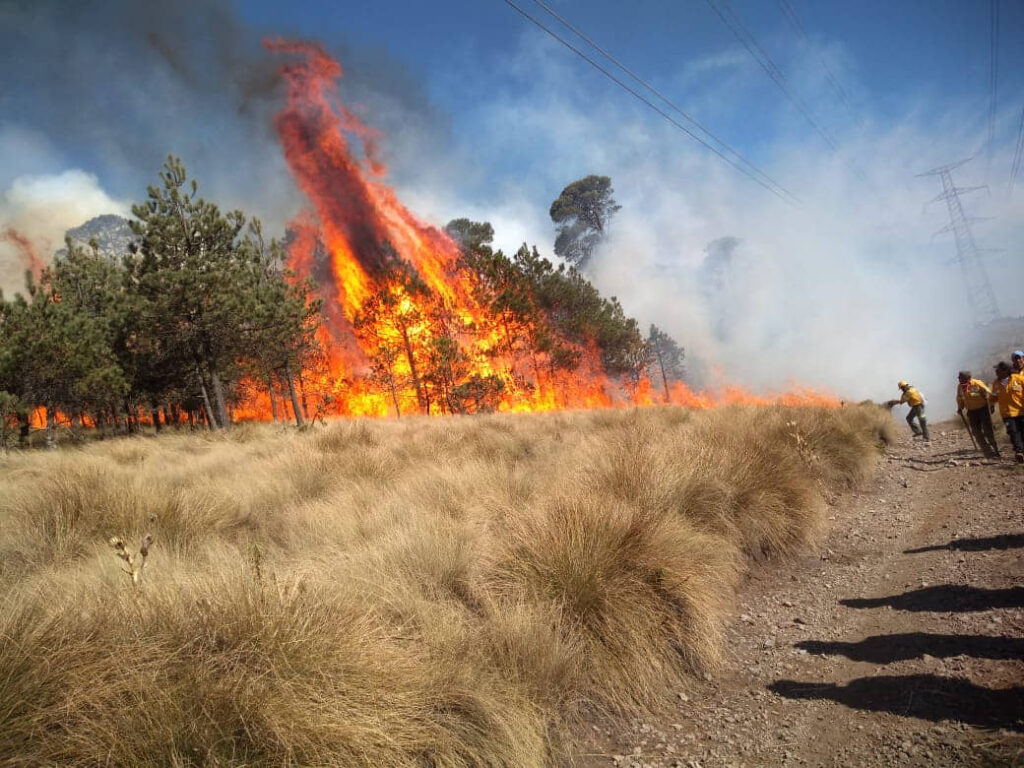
582	212
198	304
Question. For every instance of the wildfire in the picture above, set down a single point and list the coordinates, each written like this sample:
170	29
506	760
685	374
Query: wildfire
403	331
26	250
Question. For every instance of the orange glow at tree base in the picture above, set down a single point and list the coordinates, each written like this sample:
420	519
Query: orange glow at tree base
382	334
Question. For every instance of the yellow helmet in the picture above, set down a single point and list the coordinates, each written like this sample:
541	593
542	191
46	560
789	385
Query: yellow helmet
902	384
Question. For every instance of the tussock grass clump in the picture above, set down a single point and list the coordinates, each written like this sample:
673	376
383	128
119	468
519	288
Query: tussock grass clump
449	592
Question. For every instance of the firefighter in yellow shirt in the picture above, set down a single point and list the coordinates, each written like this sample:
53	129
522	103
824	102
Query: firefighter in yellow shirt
912	397
972	395
1008	391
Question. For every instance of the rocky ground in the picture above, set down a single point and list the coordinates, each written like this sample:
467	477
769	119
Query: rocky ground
899	642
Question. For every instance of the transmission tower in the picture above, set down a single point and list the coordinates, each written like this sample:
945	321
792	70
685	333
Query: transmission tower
980	297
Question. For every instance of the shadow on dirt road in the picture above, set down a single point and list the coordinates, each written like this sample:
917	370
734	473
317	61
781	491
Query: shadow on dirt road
886	649
981	544
945	598
928	697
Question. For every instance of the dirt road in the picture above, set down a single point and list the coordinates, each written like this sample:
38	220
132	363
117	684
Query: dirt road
899	642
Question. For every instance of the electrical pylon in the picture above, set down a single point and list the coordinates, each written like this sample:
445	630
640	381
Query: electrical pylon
980	297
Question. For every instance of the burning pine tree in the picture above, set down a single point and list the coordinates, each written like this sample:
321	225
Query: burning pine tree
421	320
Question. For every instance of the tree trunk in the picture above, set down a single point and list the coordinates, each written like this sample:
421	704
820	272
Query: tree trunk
508	335
51	428
24	427
412	371
131	420
206	399
554	383
156	418
661	365
218	395
302	393
273	400
295	398
394	395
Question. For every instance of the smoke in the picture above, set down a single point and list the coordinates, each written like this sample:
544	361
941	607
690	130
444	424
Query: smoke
117	85
847	291
36	211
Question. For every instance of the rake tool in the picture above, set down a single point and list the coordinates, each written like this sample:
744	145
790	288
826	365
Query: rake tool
967	426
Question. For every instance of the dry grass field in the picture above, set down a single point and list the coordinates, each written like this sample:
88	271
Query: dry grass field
425	592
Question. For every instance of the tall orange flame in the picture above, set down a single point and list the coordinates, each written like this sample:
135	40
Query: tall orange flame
26	250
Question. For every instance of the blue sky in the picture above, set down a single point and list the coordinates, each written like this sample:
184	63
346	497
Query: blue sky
889	57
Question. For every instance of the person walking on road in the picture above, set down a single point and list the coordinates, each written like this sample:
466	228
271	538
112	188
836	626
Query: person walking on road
912	397
972	395
1008	392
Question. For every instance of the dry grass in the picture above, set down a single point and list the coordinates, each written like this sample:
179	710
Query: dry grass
449	592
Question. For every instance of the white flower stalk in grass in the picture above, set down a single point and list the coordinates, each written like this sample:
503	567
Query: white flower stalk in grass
136	563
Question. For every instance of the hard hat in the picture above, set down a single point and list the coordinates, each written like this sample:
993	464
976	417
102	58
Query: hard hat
1017	353
902	384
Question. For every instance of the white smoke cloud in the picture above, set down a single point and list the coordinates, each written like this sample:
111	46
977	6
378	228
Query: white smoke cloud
845	292
23	153
41	209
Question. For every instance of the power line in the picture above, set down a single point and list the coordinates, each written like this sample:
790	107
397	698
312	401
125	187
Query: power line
645	100
732	21
675	108
980	297
1018	153
794	21
993	76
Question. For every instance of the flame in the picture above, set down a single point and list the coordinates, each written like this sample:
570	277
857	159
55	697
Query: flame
26	250
383	326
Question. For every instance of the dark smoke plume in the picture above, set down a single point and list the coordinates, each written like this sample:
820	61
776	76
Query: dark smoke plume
117	85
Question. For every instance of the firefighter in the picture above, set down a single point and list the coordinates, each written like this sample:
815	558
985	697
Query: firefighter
912	397
1008	392
1017	361
972	395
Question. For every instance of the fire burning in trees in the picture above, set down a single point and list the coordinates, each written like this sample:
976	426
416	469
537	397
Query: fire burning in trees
409	326
25	248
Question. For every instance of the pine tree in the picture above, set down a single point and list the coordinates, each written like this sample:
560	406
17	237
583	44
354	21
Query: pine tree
10	410
281	319
666	358
582	211
192	275
59	357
